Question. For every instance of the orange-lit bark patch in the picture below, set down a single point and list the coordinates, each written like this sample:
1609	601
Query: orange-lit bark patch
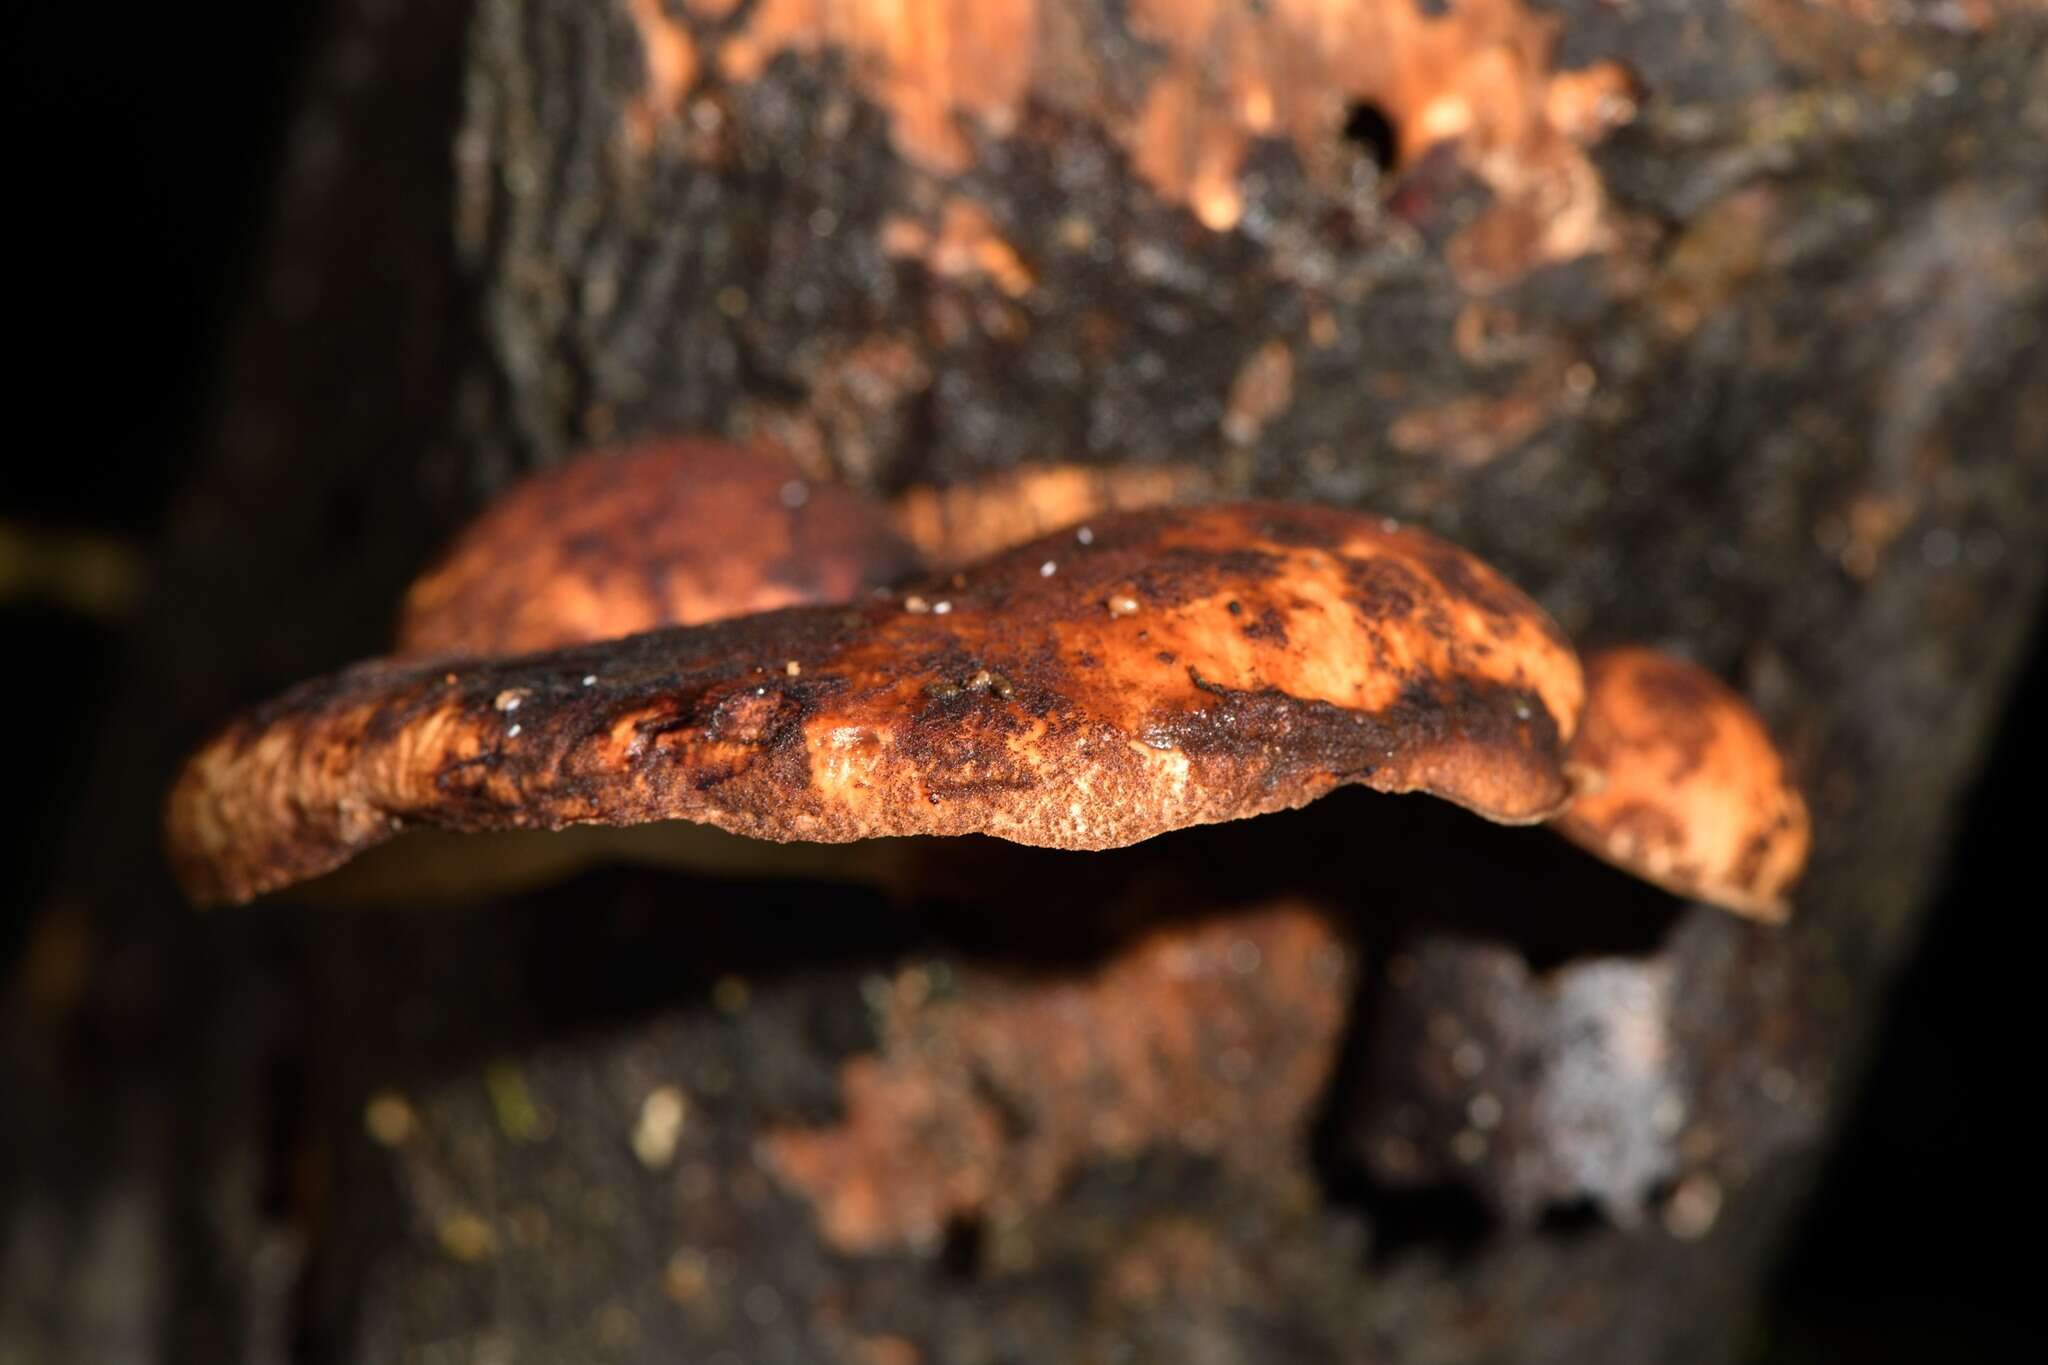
1479	74
984	1101
671	62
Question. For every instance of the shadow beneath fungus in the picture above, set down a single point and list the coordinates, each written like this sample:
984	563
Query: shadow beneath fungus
454	982
780	983
1500	913
610	943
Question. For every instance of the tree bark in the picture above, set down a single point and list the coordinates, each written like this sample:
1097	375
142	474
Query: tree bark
1715	326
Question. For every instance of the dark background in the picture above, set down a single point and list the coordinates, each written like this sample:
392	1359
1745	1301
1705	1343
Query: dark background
1908	1251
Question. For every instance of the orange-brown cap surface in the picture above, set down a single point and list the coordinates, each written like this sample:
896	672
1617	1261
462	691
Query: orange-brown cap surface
669	532
1683	786
964	523
1169	668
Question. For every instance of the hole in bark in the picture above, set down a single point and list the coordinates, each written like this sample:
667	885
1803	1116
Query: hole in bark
1447	1217
1572	1218
1367	127
960	1248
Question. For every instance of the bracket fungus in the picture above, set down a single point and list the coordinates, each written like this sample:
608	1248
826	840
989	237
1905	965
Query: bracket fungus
667	532
1682	785
683	530
960	523
688	630
1177	667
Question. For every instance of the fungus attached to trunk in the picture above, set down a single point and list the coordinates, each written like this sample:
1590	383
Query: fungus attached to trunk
963	523
1683	787
1135	673
668	532
1168	668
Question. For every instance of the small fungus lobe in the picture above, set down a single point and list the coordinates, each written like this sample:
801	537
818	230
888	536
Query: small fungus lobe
1682	786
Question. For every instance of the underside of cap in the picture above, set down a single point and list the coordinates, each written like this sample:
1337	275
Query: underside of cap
1169	668
1684	786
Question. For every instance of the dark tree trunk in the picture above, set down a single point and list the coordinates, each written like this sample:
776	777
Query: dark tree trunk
1720	328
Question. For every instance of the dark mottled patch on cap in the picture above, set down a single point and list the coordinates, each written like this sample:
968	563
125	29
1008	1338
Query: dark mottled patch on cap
1278	736
1267	629
1383	589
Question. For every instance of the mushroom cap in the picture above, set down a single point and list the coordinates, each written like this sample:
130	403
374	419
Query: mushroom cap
673	531
1180	667
1684	787
964	523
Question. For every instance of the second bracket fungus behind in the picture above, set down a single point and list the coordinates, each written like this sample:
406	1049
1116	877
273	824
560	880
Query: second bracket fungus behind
1683	787
662	533
1091	689
960	523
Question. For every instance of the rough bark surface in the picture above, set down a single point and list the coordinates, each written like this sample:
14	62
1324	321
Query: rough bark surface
1717	327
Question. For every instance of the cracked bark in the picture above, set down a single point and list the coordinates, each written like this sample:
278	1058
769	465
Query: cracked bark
1781	403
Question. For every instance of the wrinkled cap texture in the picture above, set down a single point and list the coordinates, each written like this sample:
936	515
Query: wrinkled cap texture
1684	787
1087	690
670	532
